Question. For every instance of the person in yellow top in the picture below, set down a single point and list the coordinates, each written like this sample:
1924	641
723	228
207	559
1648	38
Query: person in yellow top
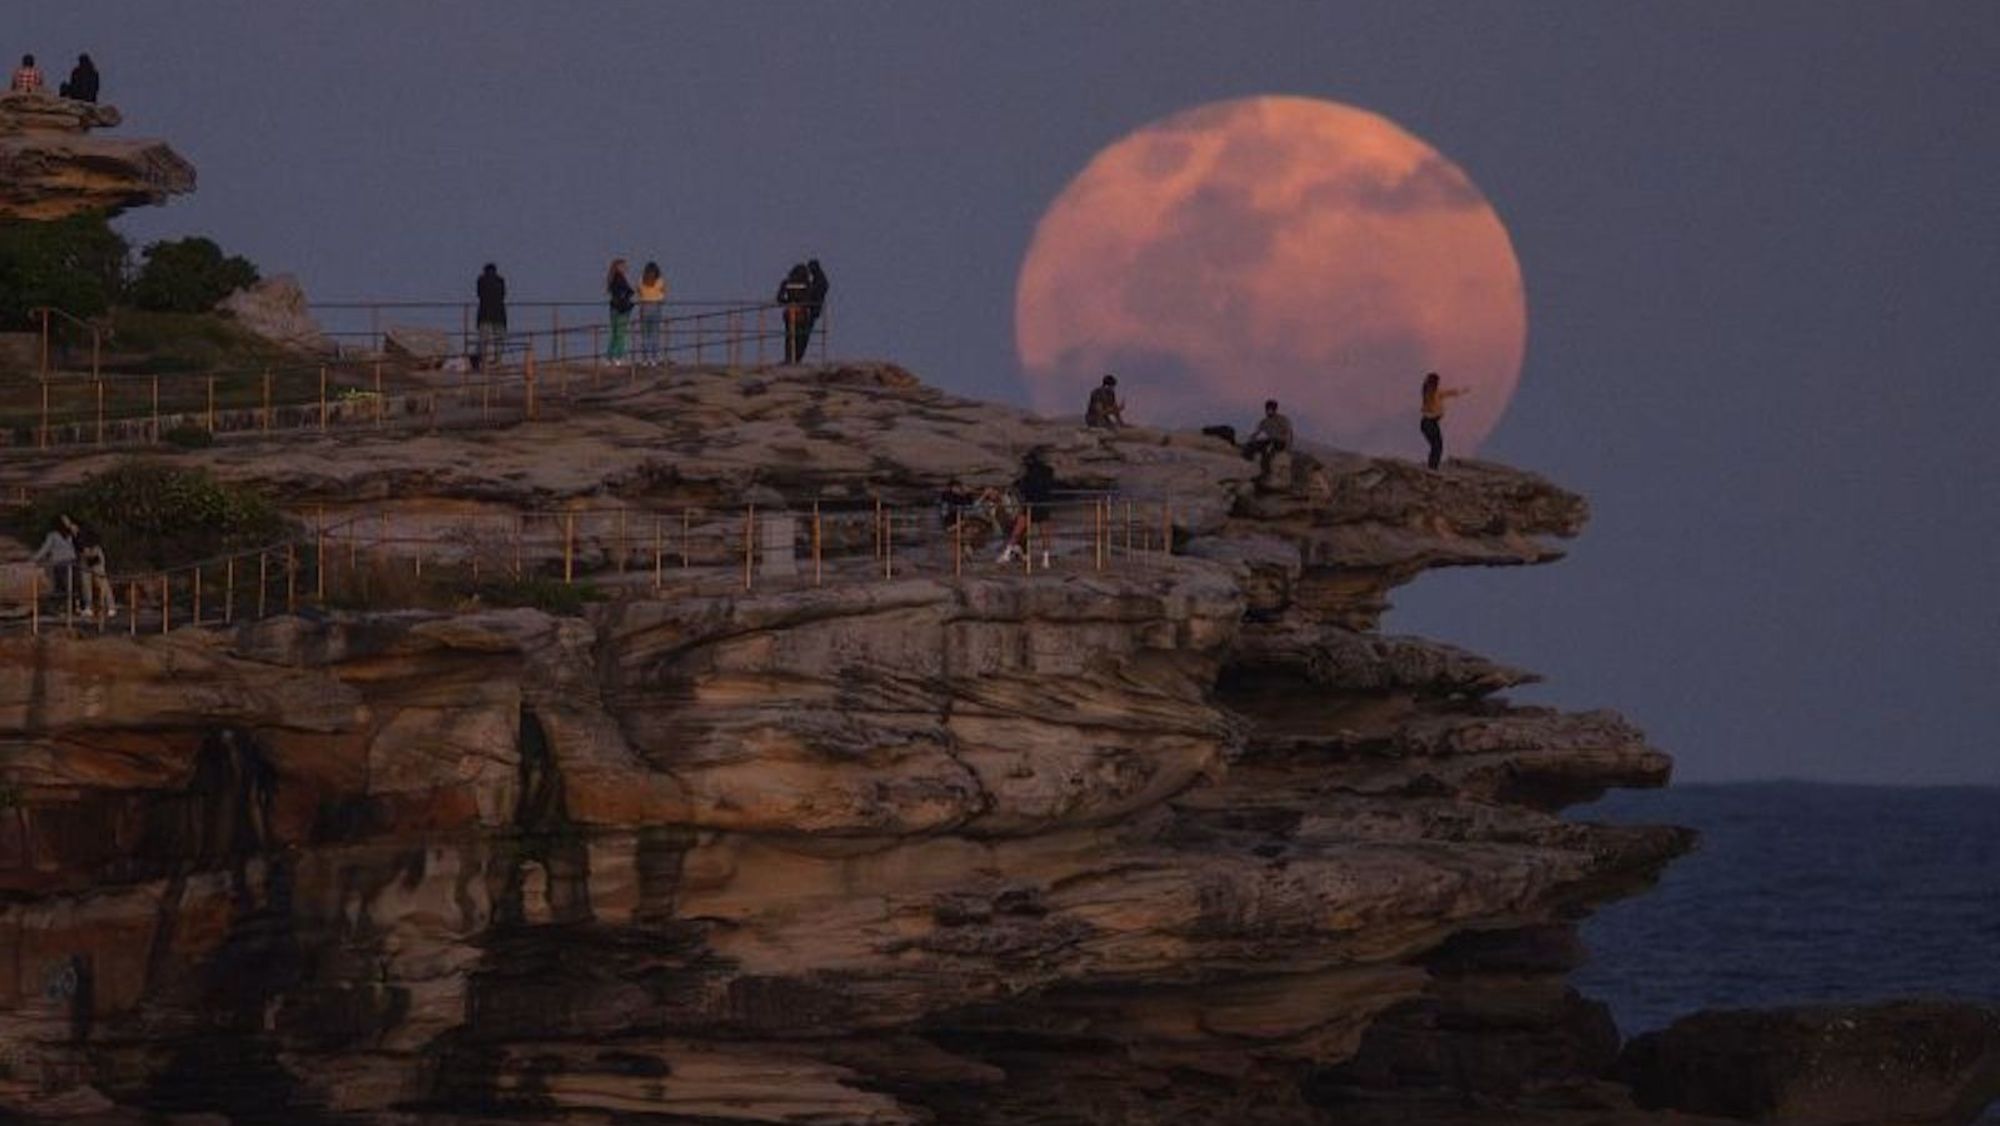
652	311
1432	425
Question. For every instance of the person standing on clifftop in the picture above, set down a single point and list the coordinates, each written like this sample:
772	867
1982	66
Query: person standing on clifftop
82	84
1433	420
492	316
619	290
652	310
794	297
816	288
27	77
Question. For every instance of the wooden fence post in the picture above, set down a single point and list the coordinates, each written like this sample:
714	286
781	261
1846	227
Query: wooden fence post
229	591
100	412
211	404
291	578
569	546
263	580
749	541
267	402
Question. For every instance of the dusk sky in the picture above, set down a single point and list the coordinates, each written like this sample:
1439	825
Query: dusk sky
1758	243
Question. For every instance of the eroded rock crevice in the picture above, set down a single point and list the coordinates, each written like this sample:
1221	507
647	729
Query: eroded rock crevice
1192	841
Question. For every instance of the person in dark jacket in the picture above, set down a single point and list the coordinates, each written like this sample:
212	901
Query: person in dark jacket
816	287
492	316
619	292
795	298
82	84
1104	411
1036	488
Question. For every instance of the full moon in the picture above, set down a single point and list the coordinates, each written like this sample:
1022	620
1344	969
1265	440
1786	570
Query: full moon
1274	248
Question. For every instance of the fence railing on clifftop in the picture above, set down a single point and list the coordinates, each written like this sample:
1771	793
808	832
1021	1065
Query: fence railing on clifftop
384	559
380	389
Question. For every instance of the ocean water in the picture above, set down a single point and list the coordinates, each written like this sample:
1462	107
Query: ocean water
1802	892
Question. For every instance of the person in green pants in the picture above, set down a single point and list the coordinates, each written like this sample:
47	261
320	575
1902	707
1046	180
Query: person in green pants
619	289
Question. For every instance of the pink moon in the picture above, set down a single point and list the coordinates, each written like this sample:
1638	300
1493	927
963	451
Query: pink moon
1275	247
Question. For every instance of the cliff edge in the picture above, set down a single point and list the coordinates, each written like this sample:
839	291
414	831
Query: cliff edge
50	167
1189	840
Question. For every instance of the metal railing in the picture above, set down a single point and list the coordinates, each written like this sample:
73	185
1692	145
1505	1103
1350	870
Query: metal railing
46	314
117	410
382	560
575	329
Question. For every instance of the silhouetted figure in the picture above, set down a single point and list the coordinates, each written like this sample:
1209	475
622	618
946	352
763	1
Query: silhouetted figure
27	77
618	289
816	288
954	501
795	296
492	316
82	84
1272	437
1433	420
1036	487
1104	411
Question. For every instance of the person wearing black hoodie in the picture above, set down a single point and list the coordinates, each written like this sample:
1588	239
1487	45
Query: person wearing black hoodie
492	316
816	287
83	81
795	299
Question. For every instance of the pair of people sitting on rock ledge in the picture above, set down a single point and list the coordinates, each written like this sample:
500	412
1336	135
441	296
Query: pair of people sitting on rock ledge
82	85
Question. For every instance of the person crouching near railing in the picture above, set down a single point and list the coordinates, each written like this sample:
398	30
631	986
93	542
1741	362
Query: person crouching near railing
97	596
58	554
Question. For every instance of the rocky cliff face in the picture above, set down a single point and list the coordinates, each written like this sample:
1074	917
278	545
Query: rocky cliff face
1184	842
50	167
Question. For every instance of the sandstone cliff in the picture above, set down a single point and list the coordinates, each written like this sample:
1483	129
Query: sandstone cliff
1184	842
50	167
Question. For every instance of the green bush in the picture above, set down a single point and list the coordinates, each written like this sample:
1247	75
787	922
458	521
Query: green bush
75	264
153	515
188	276
180	342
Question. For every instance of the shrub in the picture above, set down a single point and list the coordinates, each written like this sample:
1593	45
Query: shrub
552	596
153	515
75	264
188	276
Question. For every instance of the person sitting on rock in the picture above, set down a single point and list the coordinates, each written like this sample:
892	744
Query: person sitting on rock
1272	437
82	84
27	77
1104	411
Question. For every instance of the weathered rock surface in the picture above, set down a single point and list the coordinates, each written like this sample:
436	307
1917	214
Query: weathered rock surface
50	168
275	309
1920	1063
1187	842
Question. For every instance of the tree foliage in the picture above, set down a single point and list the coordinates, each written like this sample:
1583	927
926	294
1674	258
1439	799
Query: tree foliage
154	515
75	264
188	276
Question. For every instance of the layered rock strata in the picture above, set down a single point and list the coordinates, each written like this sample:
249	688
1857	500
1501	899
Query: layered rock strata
50	167
1181	842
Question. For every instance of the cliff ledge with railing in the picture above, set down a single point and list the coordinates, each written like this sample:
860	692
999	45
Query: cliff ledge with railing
809	811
